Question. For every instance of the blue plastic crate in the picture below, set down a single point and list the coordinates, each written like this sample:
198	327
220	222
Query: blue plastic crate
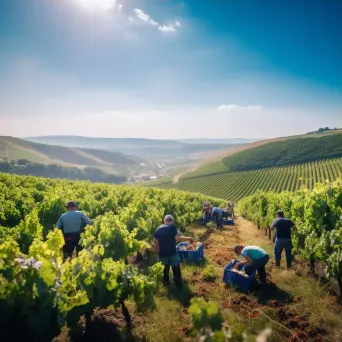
190	255
228	222
233	278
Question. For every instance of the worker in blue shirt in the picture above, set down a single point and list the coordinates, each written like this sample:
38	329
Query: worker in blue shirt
283	228
255	259
165	244
217	214
72	224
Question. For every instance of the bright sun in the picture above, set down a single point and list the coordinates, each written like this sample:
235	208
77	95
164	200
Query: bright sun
97	4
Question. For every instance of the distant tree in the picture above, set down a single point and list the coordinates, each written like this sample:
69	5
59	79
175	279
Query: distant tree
5	167
22	161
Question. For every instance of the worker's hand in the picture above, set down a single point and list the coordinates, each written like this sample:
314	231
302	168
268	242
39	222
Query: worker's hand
236	267
191	240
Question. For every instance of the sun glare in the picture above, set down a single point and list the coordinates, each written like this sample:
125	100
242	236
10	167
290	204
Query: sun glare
94	5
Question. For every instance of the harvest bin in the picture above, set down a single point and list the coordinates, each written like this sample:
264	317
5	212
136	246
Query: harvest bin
233	278
190	255
228	222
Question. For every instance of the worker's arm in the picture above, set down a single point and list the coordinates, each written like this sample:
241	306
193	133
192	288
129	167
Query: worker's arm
247	261
184	238
272	226
86	219
59	224
156	245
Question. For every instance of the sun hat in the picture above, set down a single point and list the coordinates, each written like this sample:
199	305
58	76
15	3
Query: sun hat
71	204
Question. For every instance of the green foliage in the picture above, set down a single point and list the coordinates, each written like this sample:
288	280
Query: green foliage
209	274
40	293
205	315
207	324
29	286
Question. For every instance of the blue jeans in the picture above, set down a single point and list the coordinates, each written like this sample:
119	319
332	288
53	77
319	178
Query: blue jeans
205	218
279	245
259	266
174	262
218	220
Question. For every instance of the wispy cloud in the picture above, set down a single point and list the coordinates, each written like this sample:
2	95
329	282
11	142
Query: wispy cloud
144	17
166	28
161	27
231	107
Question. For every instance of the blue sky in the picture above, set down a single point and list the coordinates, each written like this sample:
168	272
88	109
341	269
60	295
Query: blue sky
170	69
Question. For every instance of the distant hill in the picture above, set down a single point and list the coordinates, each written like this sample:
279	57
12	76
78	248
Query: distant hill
289	152
145	148
273	152
14	148
220	141
58	171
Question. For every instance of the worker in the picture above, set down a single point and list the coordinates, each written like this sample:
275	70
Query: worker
255	259
282	240
206	212
229	211
216	213
165	244
72	224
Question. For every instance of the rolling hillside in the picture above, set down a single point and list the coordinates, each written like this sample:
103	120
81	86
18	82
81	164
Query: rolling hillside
236	185
14	148
288	152
274	152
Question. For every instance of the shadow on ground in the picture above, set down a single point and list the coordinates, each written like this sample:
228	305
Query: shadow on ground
182	296
270	291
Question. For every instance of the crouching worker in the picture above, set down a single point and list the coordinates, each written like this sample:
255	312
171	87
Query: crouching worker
206	211
229	211
72	224
256	259
165	243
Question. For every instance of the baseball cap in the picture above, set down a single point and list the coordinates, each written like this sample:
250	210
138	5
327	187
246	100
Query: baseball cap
71	204
280	213
168	218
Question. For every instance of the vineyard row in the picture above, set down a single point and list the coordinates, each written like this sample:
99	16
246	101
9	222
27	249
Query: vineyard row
237	185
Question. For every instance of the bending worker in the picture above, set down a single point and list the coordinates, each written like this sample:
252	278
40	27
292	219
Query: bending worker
206	210
255	259
229	211
217	214
283	229
72	224
165	243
